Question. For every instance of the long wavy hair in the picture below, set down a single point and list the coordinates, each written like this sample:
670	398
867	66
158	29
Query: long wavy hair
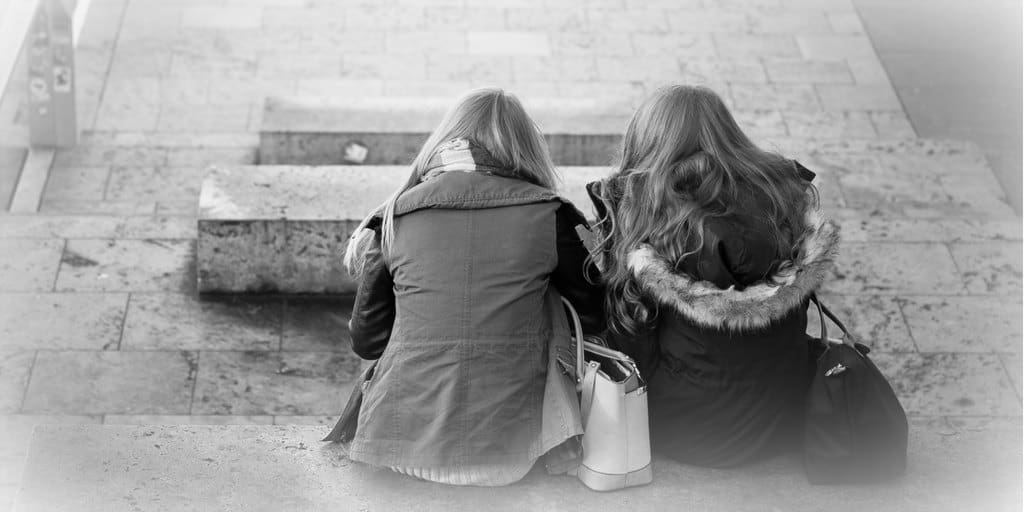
493	119
685	160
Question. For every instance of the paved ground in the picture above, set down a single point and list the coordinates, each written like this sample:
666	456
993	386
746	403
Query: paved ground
98	317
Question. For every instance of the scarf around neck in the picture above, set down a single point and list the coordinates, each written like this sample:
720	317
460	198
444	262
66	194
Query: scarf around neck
464	155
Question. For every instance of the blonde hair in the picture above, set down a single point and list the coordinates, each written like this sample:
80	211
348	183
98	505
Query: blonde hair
492	119
684	160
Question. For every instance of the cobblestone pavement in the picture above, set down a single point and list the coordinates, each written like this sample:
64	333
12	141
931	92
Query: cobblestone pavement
99	321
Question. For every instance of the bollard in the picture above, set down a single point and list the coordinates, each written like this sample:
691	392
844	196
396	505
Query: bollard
51	76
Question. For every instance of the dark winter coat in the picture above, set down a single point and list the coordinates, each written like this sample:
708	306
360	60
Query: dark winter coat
727	355
460	314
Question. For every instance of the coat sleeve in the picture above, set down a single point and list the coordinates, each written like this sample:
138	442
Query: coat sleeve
575	277
373	313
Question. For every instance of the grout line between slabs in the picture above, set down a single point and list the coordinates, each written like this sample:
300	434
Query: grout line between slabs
60	264
28	382
124	320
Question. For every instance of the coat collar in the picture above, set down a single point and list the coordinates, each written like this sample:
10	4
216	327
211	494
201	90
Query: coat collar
471	191
756	306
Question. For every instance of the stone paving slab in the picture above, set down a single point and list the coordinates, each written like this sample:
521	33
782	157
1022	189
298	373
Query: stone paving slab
316	130
15	369
874	320
951	468
275	383
29	264
155	419
76	321
964	324
91	382
891	268
317	324
157	321
950	383
78	207
990	267
127	265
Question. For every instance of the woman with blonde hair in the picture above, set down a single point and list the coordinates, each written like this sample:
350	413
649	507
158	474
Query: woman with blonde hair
711	250
457	273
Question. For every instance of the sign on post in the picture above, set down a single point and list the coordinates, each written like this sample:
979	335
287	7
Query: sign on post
51	77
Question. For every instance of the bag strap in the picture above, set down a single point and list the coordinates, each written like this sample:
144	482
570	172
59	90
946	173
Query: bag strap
587	392
577	328
823	313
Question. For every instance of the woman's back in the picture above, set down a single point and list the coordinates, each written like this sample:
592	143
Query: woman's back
472	257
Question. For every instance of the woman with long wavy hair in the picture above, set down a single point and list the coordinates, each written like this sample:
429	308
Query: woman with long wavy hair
458	272
711	248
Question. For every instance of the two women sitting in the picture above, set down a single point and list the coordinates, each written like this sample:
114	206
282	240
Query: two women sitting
708	250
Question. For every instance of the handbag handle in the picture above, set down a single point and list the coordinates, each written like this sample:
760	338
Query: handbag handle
823	313
577	328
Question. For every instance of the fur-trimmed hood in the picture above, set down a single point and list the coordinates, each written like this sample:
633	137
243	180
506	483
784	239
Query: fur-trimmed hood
755	306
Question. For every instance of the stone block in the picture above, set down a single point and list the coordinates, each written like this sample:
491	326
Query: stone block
281	229
971	465
315	131
285	228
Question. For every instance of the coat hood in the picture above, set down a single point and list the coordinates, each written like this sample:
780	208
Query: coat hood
755	306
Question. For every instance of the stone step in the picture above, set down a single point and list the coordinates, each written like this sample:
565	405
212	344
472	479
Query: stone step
285	228
316	130
971	465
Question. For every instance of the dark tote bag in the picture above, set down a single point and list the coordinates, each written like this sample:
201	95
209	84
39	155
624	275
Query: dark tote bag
855	429
345	429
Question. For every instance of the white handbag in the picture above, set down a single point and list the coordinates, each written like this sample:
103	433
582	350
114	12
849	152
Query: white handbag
613	404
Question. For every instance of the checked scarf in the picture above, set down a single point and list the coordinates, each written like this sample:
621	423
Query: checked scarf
464	155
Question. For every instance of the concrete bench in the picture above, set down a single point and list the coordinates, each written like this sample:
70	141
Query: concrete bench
284	229
316	131
271	468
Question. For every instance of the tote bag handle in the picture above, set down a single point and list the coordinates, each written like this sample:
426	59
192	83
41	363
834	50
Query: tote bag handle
577	332
583	346
823	313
